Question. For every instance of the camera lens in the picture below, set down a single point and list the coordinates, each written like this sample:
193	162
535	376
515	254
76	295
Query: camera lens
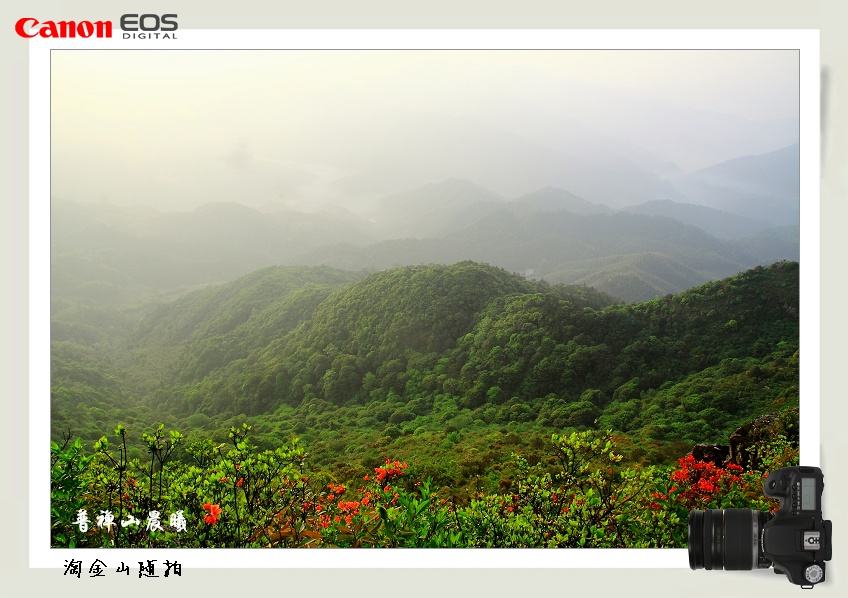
726	539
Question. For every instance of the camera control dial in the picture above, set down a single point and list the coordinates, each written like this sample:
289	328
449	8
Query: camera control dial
813	573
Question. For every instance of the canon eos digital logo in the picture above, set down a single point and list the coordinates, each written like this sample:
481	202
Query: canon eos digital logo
134	26
149	26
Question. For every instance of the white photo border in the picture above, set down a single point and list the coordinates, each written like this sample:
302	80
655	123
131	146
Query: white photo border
40	553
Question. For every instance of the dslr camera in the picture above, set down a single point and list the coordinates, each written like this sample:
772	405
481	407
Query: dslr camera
795	538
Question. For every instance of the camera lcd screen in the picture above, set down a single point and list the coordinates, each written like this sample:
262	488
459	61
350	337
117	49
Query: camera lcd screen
808	494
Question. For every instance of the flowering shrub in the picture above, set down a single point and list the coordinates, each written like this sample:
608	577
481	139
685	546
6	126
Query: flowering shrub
699	484
388	472
589	501
237	496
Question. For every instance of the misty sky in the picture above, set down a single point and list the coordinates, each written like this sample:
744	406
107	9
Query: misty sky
179	129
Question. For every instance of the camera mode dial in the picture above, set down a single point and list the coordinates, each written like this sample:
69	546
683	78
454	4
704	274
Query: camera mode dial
813	573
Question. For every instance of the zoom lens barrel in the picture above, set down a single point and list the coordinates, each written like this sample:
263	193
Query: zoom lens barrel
726	539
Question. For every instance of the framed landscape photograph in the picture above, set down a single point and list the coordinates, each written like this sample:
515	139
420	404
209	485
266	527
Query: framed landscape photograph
418	289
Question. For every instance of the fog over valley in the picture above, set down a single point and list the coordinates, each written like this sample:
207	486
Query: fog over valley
375	159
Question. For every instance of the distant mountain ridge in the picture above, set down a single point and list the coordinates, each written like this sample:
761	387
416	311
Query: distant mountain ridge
552	199
718	223
433	210
569	248
762	187
110	255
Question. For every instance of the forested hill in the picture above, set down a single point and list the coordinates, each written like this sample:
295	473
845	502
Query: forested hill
512	350
376	324
184	340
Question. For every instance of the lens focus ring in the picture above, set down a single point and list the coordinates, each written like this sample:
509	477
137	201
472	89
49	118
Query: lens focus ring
725	539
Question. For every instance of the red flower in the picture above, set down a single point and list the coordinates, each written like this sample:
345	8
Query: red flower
389	471
214	511
699	481
240	482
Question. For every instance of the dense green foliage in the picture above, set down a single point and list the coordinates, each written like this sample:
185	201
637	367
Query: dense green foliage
448	367
494	342
233	495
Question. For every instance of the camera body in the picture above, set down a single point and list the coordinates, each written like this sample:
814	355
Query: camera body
795	538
